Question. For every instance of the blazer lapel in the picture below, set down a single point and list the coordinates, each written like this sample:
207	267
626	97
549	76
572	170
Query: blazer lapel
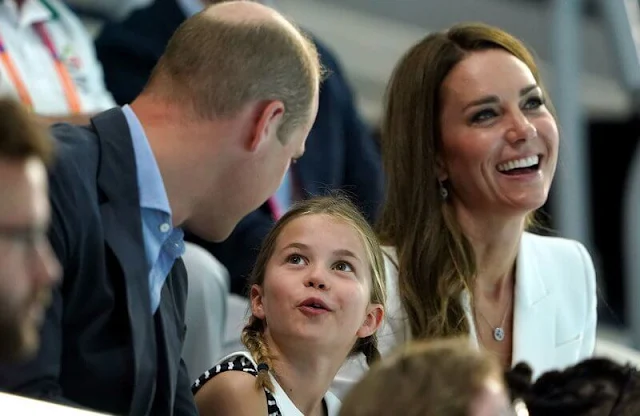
534	312
168	337
122	225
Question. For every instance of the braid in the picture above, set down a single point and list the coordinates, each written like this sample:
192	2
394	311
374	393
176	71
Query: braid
253	340
369	347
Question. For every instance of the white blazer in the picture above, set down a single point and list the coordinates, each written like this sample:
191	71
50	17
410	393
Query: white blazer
555	305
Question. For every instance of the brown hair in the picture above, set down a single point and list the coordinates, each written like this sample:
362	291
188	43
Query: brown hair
435	377
436	262
594	386
21	136
216	67
338	207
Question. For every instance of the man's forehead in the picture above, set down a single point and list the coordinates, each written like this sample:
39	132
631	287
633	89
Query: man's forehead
23	186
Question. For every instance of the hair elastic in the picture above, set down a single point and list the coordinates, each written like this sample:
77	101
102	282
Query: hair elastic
263	367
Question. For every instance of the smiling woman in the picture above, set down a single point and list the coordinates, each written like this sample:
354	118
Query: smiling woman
470	146
317	296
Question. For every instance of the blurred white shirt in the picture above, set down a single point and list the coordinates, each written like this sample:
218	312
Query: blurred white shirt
35	65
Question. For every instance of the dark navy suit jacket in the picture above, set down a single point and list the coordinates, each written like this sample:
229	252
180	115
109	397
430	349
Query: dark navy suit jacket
341	154
101	347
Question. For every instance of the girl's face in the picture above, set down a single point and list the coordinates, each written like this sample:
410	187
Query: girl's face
317	286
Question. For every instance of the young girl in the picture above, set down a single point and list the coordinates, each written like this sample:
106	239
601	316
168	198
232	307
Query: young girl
317	297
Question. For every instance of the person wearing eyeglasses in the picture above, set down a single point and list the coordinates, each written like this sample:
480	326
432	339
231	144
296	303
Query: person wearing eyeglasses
28	267
123	188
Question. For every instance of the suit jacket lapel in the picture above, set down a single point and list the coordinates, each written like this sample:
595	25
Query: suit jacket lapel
169	338
534	311
122	225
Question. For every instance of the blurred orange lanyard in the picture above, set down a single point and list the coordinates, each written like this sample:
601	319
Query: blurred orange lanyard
65	78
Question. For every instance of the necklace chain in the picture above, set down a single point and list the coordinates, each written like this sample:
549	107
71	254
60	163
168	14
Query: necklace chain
498	331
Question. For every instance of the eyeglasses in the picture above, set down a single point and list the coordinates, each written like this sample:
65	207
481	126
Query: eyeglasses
28	236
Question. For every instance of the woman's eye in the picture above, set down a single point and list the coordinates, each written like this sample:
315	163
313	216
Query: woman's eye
534	103
343	266
483	115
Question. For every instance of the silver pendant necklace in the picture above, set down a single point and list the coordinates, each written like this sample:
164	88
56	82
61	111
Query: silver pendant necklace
498	331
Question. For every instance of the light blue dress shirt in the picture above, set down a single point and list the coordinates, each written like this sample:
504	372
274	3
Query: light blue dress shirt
284	194
163	244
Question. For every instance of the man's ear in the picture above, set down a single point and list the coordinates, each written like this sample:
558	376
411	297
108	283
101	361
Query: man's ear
372	321
255	297
269	118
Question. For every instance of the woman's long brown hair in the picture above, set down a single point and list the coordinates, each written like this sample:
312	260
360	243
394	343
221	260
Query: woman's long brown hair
436	262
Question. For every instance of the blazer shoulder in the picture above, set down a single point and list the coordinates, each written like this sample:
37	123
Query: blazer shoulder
76	148
562	261
557	247
72	186
73	174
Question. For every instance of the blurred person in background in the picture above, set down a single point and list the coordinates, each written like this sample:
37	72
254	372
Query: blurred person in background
122	188
28	267
341	153
445	377
48	62
470	146
112	10
593	387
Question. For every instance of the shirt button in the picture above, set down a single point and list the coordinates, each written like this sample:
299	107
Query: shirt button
165	227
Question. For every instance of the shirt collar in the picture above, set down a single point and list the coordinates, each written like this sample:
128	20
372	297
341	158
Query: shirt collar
152	192
32	11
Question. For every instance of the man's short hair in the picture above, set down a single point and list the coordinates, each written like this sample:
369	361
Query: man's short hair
427	377
21	137
216	67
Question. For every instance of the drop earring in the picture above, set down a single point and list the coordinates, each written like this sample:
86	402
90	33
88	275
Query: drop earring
444	193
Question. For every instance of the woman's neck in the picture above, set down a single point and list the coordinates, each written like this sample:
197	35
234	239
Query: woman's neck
495	243
305	376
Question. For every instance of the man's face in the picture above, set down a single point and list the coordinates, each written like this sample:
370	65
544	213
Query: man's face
28	266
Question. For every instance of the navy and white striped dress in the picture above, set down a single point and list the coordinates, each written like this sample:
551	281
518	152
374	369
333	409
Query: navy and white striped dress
278	403
237	362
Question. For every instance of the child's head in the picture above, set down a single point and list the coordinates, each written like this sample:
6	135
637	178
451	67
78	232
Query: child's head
318	281
442	377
